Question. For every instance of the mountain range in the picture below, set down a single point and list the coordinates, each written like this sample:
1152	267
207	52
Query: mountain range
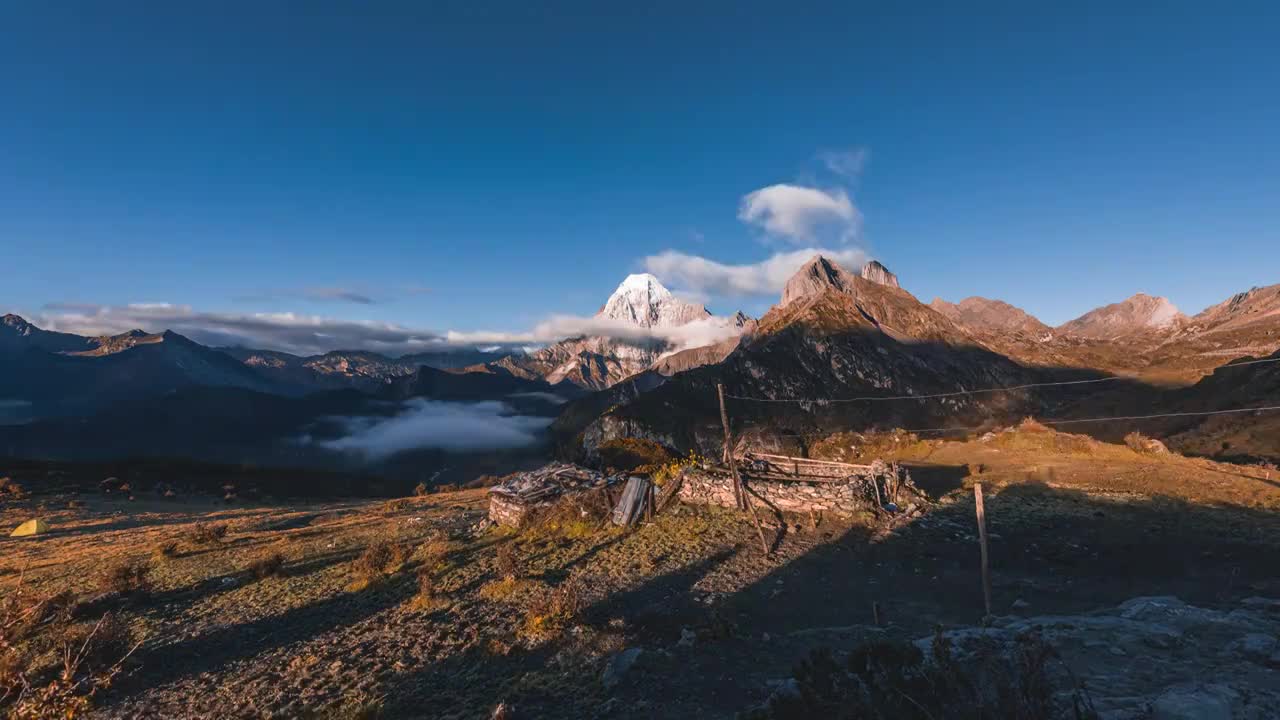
836	335
648	367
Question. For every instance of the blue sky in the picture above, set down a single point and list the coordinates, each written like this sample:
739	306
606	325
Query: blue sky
482	166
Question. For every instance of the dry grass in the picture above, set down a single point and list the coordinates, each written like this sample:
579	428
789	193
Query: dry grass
1032	436
859	447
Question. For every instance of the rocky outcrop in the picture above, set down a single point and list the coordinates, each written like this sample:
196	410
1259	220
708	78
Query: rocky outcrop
1155	657
877	273
815	277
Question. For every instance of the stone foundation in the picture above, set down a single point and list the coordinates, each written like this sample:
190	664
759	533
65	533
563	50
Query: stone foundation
510	511
846	498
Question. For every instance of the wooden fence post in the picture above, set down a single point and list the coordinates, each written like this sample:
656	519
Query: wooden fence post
739	490
982	541
727	457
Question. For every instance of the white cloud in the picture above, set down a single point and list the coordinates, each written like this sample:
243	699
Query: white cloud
758	279
698	333
432	424
313	334
291	332
797	214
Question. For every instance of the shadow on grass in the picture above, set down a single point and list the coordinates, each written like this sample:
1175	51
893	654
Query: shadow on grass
1057	550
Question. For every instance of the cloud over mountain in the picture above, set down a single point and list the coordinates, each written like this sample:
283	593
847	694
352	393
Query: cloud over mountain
765	278
313	334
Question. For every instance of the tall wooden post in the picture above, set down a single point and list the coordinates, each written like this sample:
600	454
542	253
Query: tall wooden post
982	541
727	455
739	490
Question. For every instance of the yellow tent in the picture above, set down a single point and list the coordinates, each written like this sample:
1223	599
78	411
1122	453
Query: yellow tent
31	527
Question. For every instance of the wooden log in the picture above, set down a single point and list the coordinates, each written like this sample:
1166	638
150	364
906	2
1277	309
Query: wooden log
804	461
982	541
670	492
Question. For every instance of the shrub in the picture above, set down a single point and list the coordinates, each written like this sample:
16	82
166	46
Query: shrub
11	488
421	489
126	577
165	551
49	667
268	565
626	454
573	516
427	598
434	553
1140	443
507	562
208	533
379	560
548	616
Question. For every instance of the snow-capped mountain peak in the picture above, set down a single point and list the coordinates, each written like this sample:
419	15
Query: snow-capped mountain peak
641	300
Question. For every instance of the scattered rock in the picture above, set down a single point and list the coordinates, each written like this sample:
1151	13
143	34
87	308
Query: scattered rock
1020	604
619	665
687	637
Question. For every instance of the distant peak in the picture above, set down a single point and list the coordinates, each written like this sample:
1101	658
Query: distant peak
640	280
878	273
642	300
1136	314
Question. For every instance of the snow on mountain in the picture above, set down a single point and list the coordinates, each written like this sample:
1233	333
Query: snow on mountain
641	300
640	324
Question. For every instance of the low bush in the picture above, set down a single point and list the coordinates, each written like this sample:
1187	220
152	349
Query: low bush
506	562
265	566
208	533
126	577
549	615
166	550
50	667
379	560
627	454
10	488
1140	443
